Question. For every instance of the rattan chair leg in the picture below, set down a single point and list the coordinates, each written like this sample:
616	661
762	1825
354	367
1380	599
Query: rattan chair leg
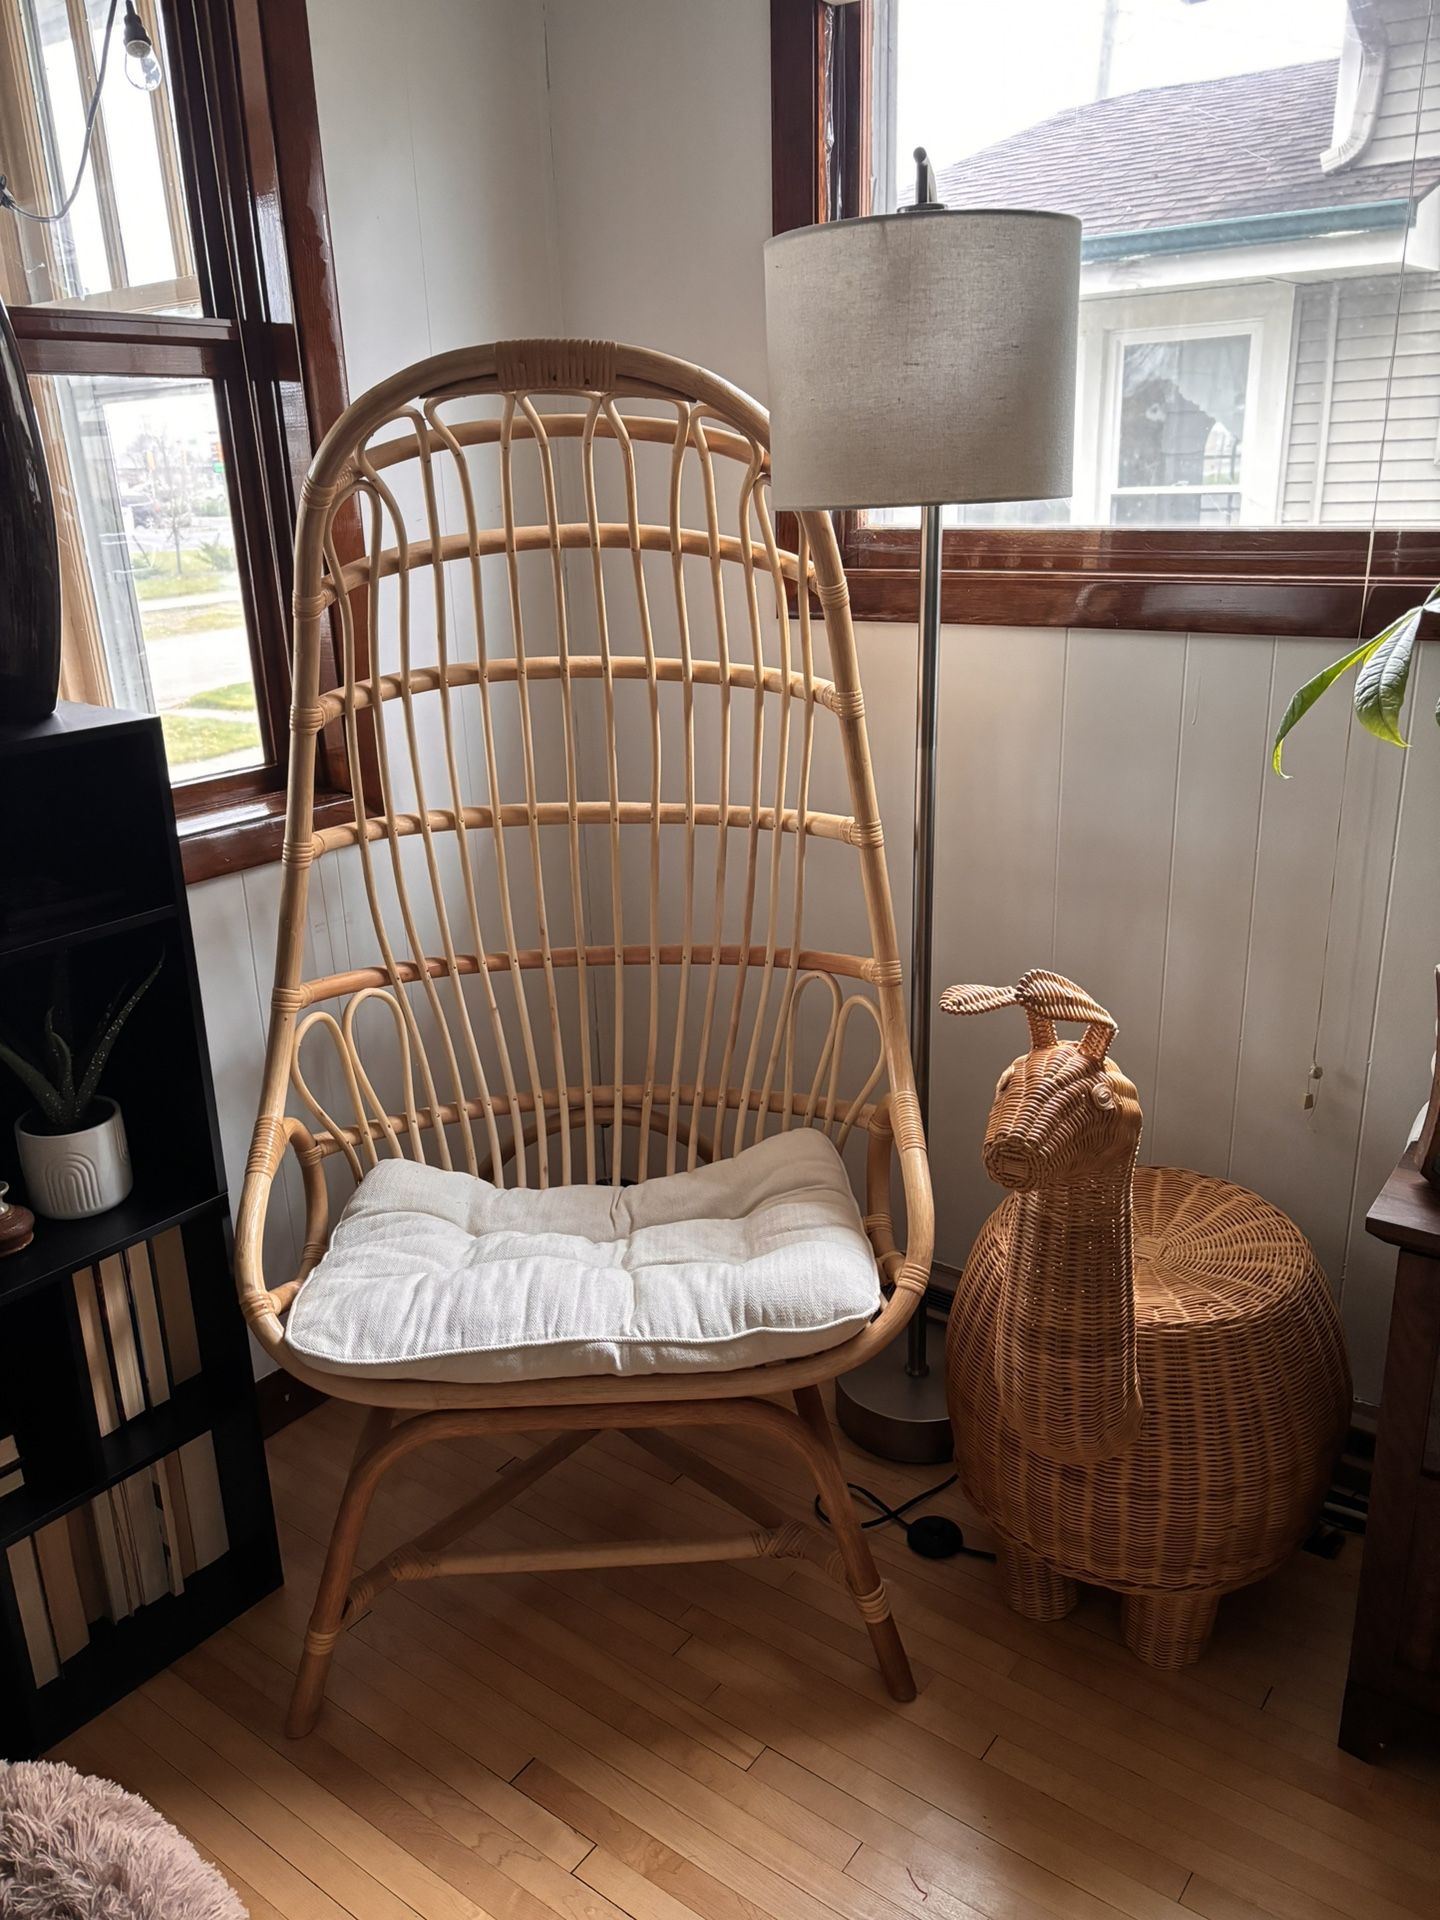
327	1615
1168	1629
861	1574
1032	1586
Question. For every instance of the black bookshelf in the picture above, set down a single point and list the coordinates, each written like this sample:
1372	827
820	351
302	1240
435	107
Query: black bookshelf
90	867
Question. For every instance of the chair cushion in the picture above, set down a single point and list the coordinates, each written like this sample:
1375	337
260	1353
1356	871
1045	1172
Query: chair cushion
442	1276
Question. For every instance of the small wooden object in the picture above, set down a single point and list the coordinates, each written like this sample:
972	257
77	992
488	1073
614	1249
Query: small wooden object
589	967
1146	1371
1394	1676
17	1223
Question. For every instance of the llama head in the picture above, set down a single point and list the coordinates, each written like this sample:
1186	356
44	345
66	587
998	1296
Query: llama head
1063	1111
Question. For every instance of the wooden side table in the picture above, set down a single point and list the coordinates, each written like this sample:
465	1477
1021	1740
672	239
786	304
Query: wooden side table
1395	1650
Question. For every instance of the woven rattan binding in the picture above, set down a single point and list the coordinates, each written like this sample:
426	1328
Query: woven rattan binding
1146	1371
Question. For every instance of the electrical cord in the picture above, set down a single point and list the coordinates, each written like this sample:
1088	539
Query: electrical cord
7	200
931	1535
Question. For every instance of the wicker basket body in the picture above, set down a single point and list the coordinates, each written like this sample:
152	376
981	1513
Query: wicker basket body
1170	1463
1245	1391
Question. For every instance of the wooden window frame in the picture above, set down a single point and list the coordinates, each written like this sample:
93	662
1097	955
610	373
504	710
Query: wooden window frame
243	88
1300	581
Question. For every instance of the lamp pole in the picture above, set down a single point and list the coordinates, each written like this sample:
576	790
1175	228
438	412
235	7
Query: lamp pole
926	355
922	915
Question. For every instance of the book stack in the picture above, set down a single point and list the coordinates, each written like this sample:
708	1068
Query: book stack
138	1327
137	1541
145	1536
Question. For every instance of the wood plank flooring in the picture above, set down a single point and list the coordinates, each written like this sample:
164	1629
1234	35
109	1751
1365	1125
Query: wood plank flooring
713	1743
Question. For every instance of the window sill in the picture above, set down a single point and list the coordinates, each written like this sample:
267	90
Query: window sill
1005	597
251	833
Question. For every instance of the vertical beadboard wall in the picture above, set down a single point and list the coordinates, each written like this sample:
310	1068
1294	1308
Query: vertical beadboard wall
1107	809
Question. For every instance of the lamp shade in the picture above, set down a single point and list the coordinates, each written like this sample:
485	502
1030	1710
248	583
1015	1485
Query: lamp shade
923	358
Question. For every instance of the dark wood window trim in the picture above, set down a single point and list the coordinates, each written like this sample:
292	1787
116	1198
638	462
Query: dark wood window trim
244	97
1290	581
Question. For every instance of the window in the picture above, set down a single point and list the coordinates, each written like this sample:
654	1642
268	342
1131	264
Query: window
179	369
1258	388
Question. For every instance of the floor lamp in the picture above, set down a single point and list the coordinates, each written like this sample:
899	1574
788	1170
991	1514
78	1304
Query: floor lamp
923	357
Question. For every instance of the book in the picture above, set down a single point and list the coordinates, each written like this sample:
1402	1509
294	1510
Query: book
120	1326
11	1476
88	1563
97	1358
203	1499
146	1306
172	1283
169	1528
68	1626
34	1620
142	1507
178	1511
111	1548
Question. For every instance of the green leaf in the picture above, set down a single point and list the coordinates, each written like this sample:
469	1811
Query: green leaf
1305	698
1382	680
96	1066
46	1098
62	1069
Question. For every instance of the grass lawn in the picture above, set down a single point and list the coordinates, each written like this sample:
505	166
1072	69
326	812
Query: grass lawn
238	697
170	623
190	737
197	578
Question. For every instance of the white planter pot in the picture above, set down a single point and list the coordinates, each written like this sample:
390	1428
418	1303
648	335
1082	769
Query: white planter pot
69	1176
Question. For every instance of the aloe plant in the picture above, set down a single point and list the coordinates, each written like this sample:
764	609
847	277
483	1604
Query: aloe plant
1380	686
65	1086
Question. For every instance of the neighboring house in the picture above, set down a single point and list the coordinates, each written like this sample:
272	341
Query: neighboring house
1255	247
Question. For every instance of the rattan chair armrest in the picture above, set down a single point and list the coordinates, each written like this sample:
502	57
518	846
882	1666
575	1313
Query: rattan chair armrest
895	1133
262	1305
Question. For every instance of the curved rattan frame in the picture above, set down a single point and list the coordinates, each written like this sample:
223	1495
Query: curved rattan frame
563	1119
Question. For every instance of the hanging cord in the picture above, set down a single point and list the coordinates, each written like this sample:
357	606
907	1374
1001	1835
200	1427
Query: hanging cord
7	200
933	1536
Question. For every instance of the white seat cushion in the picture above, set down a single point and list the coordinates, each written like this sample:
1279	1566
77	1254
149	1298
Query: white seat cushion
442	1276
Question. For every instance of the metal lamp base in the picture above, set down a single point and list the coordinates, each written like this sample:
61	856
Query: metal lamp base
895	1414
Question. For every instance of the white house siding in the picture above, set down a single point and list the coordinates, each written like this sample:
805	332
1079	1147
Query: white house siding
1370	437
1413	70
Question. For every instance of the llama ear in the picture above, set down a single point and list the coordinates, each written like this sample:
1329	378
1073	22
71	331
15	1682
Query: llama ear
1052	997
986	999
977	999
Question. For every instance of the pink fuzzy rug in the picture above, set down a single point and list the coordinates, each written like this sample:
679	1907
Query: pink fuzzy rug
75	1848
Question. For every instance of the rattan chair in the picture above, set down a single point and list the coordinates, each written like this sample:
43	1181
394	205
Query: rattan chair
588	744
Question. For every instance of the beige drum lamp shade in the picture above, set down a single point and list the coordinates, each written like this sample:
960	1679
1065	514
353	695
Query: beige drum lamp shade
923	358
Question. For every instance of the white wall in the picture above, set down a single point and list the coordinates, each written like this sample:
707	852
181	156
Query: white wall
436	150
1105	802
660	129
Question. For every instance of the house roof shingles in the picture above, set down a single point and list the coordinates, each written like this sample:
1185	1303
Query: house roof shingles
1249	143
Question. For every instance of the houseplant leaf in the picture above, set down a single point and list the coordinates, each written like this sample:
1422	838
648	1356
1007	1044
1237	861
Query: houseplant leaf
96	1065
34	1081
62	1066
1305	698
1383	678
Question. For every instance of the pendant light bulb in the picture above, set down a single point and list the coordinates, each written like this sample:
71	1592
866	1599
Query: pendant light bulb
142	69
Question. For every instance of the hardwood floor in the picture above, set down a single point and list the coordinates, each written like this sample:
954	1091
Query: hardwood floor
713	1743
